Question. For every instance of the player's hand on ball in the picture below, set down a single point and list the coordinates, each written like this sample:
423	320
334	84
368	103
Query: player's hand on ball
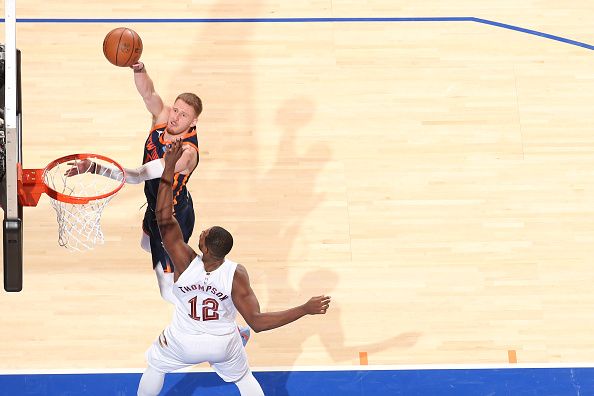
317	305
173	153
137	67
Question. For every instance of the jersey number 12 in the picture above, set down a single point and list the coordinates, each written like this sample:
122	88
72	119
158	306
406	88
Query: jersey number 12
209	309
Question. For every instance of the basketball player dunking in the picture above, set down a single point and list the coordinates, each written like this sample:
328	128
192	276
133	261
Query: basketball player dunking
179	121
168	122
208	291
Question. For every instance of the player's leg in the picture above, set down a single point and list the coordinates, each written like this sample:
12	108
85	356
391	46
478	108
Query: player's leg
163	268
150	230
166	354
165	282
164	272
249	386
186	218
158	357
151	382
145	241
234	368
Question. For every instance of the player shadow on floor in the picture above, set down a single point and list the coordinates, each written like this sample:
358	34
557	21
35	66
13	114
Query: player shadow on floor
329	330
293	115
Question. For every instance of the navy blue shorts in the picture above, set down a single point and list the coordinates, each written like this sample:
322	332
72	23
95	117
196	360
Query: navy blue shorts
185	217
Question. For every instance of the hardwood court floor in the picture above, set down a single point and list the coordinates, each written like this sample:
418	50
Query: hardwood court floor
435	178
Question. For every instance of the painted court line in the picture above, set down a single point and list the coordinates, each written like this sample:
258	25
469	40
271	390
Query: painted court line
363	359
511	356
308	20
411	367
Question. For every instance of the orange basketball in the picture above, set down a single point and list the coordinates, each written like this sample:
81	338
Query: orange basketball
122	47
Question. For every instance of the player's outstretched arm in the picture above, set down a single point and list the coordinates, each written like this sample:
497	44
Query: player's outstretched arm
151	170
247	304
146	89
154	169
180	252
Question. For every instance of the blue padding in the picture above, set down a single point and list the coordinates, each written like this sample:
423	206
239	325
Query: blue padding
512	382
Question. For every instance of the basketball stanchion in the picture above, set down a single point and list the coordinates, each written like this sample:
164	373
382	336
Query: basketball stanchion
76	192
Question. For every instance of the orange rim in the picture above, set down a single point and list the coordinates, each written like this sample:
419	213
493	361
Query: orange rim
80	200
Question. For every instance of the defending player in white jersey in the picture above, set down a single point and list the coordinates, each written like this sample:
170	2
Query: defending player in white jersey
208	291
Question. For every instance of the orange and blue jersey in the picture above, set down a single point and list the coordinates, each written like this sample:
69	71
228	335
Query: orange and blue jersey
155	148
183	209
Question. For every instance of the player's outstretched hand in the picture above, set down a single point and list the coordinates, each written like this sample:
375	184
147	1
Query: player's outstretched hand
79	167
173	153
317	305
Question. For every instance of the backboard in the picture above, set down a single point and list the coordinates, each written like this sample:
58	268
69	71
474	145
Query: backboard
10	161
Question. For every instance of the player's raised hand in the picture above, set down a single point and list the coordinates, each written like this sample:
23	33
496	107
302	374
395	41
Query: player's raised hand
317	305
137	67
173	153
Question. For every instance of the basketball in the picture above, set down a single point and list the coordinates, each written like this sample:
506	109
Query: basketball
122	47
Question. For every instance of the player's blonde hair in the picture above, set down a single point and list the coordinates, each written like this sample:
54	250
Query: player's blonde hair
193	100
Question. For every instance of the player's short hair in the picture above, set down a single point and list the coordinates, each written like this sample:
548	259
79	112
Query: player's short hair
193	100
219	241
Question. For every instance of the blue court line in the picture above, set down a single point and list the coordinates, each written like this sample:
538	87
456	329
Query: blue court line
533	32
306	20
458	382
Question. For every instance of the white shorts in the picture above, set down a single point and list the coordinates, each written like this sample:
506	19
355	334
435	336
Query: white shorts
174	350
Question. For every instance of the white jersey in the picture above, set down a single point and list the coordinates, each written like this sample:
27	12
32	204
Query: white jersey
203	300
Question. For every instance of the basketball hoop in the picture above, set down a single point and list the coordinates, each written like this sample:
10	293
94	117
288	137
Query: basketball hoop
76	192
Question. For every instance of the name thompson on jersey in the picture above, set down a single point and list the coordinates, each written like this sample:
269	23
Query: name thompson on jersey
205	289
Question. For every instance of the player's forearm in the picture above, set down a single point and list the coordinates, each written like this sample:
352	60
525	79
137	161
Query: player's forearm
164	207
271	320
151	170
144	86
143	83
107	171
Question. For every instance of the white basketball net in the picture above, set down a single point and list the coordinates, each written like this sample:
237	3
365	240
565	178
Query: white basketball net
79	226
